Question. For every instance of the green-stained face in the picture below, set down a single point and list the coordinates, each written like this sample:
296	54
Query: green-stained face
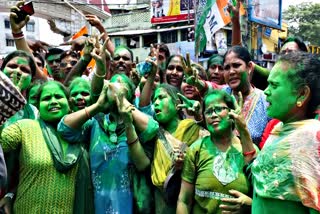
281	93
80	96
32	98
53	67
122	62
164	106
53	103
19	72
216	115
236	72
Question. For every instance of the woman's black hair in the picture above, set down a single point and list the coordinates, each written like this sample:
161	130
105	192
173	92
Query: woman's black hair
241	52
169	60
298	41
19	53
305	71
173	93
60	85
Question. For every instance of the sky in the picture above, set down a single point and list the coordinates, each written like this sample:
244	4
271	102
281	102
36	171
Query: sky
286	3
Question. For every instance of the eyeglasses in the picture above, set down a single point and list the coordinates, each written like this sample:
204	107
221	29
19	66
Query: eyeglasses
216	110
64	64
172	67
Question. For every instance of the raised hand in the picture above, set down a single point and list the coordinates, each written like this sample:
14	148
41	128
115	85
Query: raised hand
237	113
234	10
76	44
100	53
38	46
192	106
17	27
235	204
94	21
187	66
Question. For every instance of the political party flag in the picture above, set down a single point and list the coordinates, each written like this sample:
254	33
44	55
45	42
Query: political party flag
213	17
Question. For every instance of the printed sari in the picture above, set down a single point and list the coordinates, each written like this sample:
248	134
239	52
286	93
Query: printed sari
288	169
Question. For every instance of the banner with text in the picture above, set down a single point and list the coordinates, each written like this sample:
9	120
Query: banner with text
167	11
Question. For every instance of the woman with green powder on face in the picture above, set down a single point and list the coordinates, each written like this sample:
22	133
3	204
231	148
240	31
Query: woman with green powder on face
110	127
285	174
212	177
237	71
174	136
80	94
20	68
51	172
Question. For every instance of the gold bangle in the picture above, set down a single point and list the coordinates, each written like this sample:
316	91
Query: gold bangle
98	75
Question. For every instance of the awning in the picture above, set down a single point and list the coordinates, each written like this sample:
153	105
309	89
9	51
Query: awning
147	31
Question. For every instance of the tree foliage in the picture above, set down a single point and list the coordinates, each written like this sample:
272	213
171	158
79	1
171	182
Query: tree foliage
304	21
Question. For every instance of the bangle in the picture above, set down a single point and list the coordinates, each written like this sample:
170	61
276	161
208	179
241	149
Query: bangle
16	35
87	113
249	153
133	142
9	195
98	75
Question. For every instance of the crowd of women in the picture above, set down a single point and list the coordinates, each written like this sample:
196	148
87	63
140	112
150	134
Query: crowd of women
165	136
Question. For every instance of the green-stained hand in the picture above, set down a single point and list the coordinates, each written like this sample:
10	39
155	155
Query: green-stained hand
103	101
235	204
125	111
192	106
236	114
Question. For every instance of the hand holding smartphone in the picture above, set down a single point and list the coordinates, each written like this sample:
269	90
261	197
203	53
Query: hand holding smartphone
25	10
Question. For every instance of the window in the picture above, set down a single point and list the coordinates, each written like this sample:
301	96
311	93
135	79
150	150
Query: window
169	37
184	34
117	42
30	27
9	42
149	39
7	24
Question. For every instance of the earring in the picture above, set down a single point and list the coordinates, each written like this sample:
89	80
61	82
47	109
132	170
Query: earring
299	104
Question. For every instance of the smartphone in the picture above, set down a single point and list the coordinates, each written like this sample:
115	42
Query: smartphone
26	9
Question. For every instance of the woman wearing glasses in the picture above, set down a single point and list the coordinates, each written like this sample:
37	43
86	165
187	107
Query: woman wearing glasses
212	177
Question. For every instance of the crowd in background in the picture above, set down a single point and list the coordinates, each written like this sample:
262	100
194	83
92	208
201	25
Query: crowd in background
102	134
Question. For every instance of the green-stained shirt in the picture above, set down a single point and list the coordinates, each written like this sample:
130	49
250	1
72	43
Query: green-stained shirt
199	167
41	188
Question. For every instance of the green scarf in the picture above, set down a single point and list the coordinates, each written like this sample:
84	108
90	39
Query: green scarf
66	158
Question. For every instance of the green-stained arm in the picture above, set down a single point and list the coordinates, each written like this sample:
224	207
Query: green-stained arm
263	71
185	199
145	97
137	154
102	58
